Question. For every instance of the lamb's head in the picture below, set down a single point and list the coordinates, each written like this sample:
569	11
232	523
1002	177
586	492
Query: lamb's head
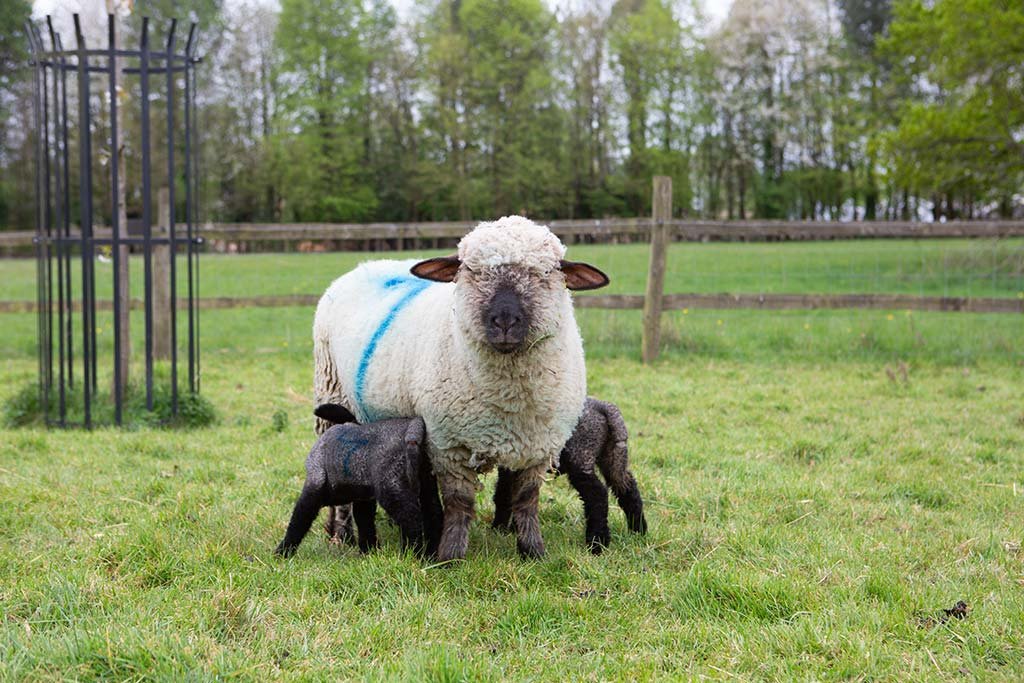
511	282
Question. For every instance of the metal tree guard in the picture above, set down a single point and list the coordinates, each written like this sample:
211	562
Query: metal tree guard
59	240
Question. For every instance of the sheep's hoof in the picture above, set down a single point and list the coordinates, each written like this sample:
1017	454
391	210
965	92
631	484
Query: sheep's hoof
283	550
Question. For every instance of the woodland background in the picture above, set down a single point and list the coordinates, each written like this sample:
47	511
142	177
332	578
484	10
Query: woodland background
338	111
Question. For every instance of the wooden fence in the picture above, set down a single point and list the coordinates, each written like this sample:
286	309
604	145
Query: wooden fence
597	230
659	230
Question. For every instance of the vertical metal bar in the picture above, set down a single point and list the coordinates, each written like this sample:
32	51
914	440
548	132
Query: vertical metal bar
85	215
147	217
189	204
47	224
197	152
115	215
66	163
59	197
169	62
37	59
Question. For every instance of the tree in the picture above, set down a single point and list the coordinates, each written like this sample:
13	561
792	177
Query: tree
961	135
327	48
14	98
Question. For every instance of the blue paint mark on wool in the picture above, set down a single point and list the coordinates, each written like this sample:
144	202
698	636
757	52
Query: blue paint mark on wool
349	445
416	286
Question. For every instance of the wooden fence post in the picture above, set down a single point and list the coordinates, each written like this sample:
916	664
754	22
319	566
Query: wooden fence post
661	213
162	280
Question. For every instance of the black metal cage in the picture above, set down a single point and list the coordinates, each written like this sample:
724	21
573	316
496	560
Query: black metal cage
71	228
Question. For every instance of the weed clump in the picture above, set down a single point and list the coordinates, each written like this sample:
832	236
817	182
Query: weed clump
27	408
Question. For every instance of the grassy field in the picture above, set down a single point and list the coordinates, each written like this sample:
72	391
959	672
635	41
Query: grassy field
820	487
921	267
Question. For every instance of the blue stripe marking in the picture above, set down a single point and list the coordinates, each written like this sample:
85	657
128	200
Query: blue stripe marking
416	286
349	445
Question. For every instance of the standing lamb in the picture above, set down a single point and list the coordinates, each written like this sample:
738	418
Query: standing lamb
600	439
384	462
482	345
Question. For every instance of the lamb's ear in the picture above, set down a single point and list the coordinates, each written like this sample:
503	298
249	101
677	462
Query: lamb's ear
440	269
582	276
334	413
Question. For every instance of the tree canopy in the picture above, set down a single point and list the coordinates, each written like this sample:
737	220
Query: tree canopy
341	110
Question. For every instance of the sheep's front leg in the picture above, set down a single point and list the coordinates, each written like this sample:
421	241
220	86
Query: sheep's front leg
525	496
459	498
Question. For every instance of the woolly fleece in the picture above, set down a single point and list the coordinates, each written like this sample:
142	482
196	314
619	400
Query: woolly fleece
388	344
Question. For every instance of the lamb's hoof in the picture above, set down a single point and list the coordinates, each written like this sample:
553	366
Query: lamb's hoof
637	525
285	550
597	542
365	548
502	527
530	552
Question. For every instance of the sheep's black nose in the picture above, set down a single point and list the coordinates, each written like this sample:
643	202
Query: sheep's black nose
506	320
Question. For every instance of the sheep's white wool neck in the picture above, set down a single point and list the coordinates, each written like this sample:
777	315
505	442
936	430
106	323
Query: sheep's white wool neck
511	240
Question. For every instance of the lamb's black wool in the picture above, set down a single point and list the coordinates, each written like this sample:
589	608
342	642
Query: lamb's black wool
384	462
600	439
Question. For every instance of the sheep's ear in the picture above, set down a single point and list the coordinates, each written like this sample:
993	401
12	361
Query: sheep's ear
582	276
334	413
440	269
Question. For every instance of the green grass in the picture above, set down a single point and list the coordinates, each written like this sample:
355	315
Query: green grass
922	267
820	486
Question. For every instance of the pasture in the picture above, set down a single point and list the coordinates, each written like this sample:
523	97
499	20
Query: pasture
820	487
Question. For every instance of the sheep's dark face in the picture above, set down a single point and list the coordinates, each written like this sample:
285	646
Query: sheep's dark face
505	317
511	283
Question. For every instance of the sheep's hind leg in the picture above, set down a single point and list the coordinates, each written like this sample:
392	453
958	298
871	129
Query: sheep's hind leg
365	512
525	496
326	389
503	501
459	501
306	509
339	524
594	495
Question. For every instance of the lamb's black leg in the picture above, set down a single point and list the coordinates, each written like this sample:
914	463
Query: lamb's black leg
430	508
594	495
503	501
306	508
615	468
365	512
404	508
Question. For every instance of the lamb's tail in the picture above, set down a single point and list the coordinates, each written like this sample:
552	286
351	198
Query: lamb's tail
613	461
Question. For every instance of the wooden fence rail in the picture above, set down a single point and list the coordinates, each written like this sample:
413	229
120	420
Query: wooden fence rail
669	302
659	230
596	229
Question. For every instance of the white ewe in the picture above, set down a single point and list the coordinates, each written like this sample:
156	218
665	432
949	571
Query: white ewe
483	346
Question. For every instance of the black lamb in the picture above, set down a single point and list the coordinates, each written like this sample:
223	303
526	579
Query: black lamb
383	462
600	439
